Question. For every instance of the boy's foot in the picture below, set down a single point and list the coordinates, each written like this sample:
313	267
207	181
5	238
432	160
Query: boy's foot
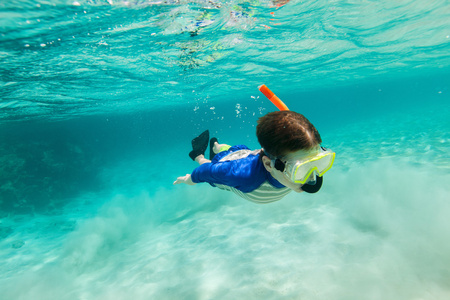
199	145
211	148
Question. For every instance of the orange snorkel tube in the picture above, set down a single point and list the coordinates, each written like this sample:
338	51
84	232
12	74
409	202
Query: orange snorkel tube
272	97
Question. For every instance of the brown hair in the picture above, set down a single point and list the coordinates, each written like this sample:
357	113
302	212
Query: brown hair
280	132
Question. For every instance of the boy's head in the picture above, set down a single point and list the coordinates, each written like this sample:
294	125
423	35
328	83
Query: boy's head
283	132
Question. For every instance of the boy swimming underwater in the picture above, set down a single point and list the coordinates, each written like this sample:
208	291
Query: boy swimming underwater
291	159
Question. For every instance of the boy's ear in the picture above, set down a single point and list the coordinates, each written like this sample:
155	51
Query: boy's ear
267	163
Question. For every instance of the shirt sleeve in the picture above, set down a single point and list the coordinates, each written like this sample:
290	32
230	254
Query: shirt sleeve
236	173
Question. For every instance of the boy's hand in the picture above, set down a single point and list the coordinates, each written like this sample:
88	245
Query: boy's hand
184	179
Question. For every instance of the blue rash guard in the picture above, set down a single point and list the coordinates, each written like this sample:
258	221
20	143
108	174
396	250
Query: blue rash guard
244	174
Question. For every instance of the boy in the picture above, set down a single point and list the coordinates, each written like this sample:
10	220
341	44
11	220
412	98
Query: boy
291	158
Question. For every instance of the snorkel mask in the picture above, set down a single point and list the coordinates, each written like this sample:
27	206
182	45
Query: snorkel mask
308	171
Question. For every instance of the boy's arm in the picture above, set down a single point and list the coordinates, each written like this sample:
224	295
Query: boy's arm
239	174
230	173
211	173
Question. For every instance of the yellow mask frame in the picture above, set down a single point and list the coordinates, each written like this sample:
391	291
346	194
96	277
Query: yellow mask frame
301	171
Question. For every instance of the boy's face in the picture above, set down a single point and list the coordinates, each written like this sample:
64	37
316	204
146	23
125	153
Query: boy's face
280	176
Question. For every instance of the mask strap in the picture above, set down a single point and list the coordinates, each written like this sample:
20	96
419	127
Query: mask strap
279	165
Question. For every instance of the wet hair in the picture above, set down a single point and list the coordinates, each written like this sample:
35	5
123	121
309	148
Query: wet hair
281	132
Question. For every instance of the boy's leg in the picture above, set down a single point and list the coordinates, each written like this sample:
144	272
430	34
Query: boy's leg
202	160
216	149
220	147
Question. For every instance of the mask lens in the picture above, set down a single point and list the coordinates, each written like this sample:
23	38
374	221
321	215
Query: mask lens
316	166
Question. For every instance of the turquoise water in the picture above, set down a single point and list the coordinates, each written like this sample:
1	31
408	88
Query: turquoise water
99	102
